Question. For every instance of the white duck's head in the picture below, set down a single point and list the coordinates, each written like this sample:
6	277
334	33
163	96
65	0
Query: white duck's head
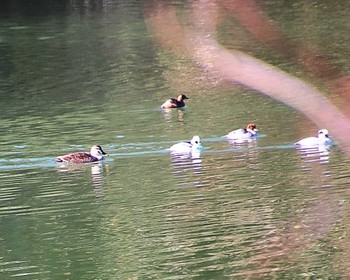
323	137
97	152
196	142
323	133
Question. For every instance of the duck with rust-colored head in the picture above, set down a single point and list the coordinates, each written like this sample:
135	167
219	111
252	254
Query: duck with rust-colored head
243	133
96	154
175	103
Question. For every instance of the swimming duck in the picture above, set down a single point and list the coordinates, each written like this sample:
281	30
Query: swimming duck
96	154
243	133
321	139
175	103
187	147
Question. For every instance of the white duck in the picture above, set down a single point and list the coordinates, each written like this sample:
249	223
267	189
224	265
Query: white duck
243	133
187	147
321	139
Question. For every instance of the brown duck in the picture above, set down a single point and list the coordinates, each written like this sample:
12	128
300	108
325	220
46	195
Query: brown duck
96	154
175	103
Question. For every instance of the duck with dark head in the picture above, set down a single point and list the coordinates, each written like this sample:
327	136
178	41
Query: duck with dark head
96	154
175	103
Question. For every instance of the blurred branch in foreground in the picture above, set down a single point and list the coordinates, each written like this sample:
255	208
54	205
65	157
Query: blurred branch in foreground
199	44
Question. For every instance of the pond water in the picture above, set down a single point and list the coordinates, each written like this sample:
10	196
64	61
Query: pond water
76	74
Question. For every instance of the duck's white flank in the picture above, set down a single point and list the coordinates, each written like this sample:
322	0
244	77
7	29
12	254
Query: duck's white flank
321	139
187	147
243	133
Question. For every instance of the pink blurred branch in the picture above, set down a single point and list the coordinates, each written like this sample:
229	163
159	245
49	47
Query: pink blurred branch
199	44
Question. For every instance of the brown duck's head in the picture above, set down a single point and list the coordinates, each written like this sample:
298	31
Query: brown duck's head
182	97
252	126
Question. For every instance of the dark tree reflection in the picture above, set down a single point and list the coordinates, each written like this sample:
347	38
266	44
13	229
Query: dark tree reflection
54	7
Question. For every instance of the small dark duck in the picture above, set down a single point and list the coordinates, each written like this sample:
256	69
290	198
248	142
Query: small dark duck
96	154
175	103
